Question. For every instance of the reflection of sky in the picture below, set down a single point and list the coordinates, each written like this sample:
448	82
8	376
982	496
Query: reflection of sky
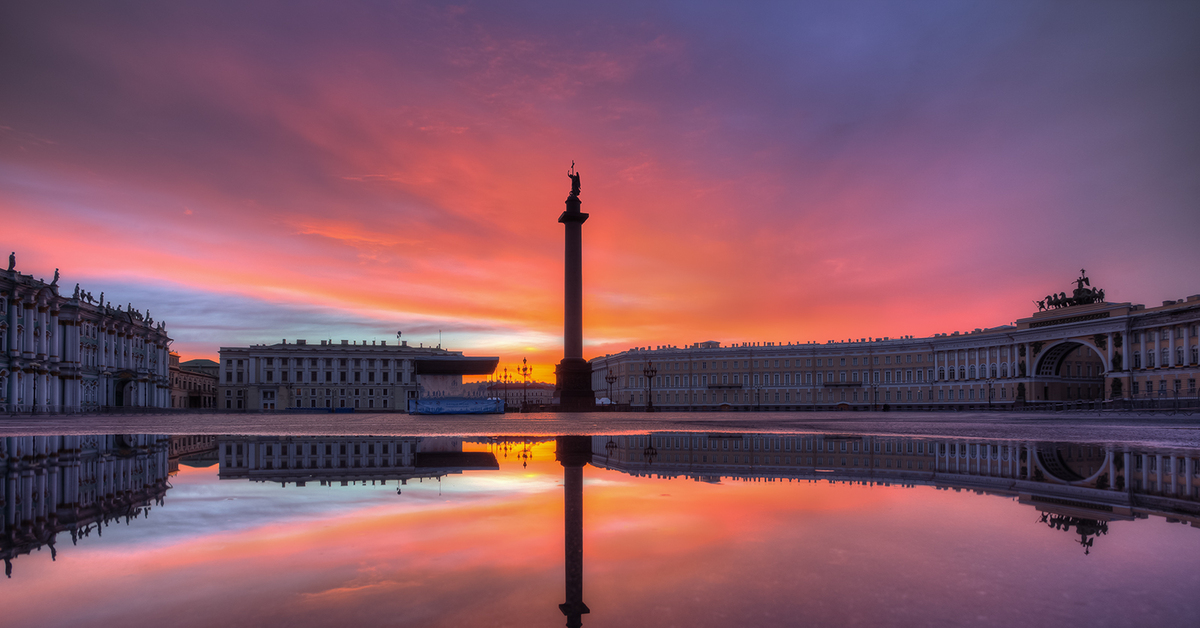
487	550
910	168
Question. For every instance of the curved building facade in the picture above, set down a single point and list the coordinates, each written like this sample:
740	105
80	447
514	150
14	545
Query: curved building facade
1074	353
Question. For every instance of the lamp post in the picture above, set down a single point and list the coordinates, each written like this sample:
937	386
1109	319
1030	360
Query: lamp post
504	380
990	381
611	378
524	370
649	371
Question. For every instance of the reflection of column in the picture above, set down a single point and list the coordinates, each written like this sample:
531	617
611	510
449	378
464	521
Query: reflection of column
1128	471
1174	475
1145	458
573	452
1189	468
1112	470
1158	472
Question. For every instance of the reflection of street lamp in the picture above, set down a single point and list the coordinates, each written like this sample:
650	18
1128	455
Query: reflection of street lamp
650	371
611	378
609	447
990	381
649	452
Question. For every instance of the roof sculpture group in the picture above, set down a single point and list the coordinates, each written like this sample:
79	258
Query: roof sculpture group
1080	296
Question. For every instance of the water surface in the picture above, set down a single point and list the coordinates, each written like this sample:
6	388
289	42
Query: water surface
676	527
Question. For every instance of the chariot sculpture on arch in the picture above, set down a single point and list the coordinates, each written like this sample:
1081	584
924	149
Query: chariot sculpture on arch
1080	295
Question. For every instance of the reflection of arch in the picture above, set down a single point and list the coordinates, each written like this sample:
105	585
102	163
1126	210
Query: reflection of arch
1055	468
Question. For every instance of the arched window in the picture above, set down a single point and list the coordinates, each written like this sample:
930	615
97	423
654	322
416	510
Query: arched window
1004	370
942	373
1166	357
972	371
993	370
962	372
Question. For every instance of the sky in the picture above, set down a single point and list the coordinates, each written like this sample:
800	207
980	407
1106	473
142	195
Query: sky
762	172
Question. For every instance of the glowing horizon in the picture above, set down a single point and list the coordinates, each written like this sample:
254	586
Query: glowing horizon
784	174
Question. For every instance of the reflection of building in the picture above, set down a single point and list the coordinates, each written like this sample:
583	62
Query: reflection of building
378	377
75	483
73	354
192	388
198	450
1093	350
1070	481
345	459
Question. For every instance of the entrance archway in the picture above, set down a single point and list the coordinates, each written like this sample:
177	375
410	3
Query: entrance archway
123	390
1069	371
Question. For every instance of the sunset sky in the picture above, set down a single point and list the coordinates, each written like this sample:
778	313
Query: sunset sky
754	171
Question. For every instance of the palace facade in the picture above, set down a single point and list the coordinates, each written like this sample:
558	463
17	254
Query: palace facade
347	376
63	354
1082	348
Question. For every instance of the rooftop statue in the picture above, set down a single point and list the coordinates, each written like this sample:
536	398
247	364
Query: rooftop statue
574	176
12	257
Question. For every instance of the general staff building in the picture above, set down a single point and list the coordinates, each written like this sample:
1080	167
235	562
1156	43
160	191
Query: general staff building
1082	349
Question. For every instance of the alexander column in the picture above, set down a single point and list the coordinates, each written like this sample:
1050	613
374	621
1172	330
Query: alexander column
574	374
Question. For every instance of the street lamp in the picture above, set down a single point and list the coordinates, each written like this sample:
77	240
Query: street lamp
611	378
649	372
524	370
504	380
990	381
